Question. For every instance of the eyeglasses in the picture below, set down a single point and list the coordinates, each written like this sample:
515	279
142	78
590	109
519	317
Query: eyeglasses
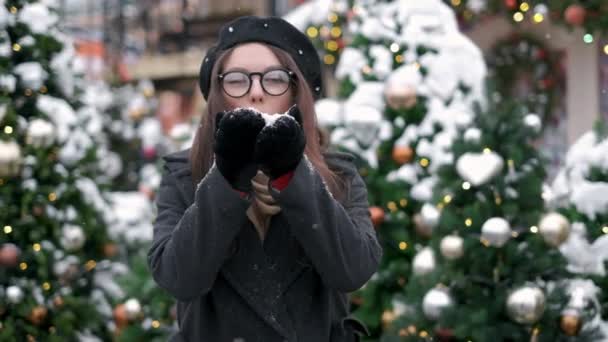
274	82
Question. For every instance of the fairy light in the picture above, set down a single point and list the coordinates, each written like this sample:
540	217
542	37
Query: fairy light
403	202
402	245
538	18
424	162
16	47
23	266
46	286
518	17
312	32
588	38
605	229
606	49
392	206
155	324
52	197
8	129
466	185
524	7
468	222
332	17
487	150
456	3
332	45
336	32
399	59
8	229
90	265
329	59
534	229
394	47
36	247
447	199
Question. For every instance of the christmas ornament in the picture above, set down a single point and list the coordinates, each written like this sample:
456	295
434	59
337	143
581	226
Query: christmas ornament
40	133
120	316
554	228
496	232
363	124
67	269
424	262
14	294
452	247
435	302
110	250
10	159
72	237
38	315
575	15
526	304
58	301
400	96
402	154
377	215
444	334
426	221
533	121
9	255
149	152
472	135
387	318
132	309
479	168
570	321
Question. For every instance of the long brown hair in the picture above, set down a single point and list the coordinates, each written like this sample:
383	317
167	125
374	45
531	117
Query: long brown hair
201	153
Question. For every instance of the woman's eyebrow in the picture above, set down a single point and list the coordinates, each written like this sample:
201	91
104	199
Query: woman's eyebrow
273	67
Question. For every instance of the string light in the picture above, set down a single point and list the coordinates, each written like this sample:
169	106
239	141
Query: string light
447	199
312	32
487	150
466	185
366	69
155	324
36	247
538	18
411	329
332	45
605	229
403	202
606	49
394	47
588	38
392	206
423	334
13	9
332	17
534	229
468	222
8	229
524	7
329	59
8	129
518	17
402	245
336	32
399	59
23	266
424	162
52	197
16	47
46	286
456	2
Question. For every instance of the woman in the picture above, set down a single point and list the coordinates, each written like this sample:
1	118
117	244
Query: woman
260	234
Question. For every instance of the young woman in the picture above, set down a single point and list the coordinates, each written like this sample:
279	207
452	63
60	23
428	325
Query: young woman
260	233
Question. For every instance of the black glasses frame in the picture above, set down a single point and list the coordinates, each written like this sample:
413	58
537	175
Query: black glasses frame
249	75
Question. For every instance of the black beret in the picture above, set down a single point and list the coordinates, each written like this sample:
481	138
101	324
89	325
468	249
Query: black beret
271	30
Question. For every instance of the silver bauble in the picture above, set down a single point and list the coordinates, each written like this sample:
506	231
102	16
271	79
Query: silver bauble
14	294
72	237
132	308
554	228
426	221
496	232
526	304
452	247
533	121
10	159
424	262
40	133
435	302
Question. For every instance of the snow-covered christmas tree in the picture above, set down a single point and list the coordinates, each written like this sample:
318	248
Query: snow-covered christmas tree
56	283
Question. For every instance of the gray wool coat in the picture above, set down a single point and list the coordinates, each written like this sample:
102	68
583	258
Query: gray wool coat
292	287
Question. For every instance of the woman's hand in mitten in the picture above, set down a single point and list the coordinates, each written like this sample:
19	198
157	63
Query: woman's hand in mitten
280	145
235	138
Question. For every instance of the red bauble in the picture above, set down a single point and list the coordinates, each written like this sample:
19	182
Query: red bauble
575	15
149	152
444	335
377	215
511	4
9	255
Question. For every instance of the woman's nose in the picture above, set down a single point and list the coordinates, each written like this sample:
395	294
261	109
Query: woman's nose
256	93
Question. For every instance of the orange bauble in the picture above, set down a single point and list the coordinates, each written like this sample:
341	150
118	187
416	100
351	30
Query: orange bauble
575	15
403	154
377	215
120	316
110	250
38	315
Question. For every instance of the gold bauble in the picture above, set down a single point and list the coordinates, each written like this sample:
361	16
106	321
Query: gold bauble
570	322
403	154
38	315
387	318
554	228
